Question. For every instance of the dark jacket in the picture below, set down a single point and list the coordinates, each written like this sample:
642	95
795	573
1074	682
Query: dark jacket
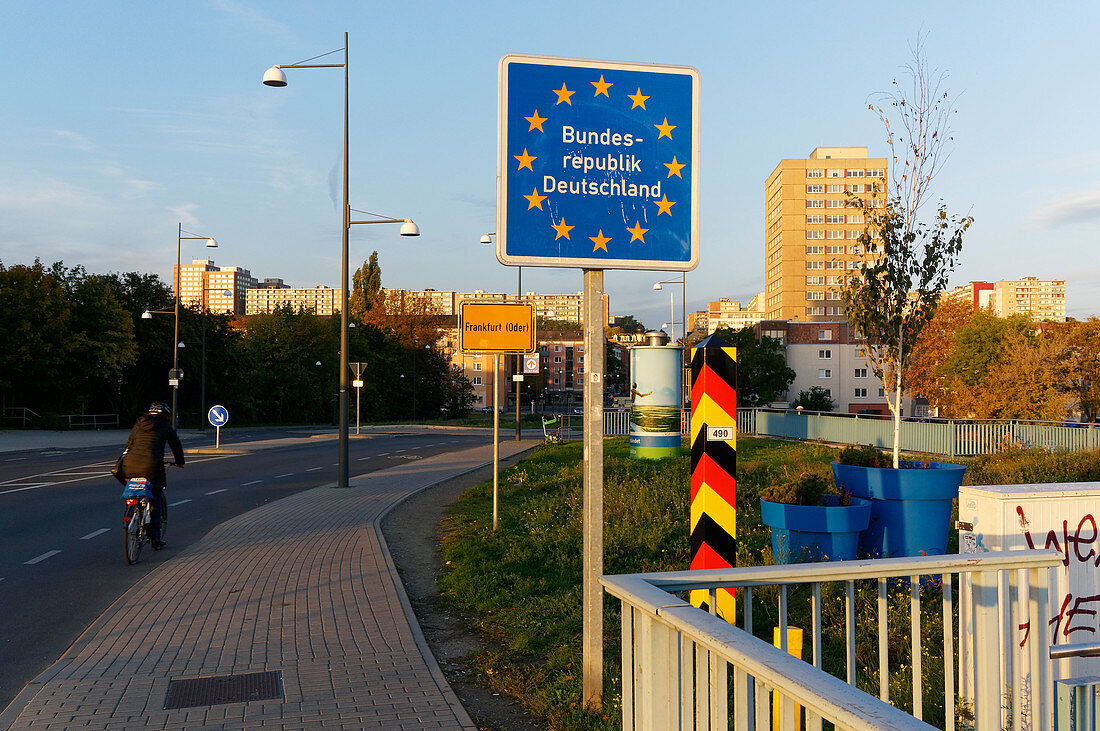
145	449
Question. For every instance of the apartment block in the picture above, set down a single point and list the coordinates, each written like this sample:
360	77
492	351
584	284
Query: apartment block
727	313
221	290
551	306
1040	299
812	228
319	300
826	354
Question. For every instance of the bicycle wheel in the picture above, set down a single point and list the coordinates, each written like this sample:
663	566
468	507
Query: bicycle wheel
134	534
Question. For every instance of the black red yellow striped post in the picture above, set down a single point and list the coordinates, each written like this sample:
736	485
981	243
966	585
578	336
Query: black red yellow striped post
713	465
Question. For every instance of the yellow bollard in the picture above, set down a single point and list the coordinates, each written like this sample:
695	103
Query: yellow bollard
794	647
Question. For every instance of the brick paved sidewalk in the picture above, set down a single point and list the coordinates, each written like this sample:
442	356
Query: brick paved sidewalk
303	586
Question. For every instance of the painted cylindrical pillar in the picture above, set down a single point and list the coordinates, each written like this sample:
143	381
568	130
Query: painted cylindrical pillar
655	383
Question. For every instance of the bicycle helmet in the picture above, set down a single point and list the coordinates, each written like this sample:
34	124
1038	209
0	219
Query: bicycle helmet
159	408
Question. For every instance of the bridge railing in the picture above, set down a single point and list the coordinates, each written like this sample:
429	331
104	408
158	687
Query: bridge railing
678	661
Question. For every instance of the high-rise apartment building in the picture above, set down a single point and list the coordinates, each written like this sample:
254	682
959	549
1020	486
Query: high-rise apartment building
217	289
812	230
1039	299
319	300
551	306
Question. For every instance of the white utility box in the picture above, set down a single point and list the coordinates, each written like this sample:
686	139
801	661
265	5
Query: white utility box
1060	516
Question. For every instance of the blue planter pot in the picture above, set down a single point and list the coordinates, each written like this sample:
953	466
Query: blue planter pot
816	533
910	507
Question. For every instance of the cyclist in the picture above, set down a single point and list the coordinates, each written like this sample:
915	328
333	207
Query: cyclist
144	457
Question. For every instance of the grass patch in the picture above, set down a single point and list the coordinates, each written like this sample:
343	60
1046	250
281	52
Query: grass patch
522	586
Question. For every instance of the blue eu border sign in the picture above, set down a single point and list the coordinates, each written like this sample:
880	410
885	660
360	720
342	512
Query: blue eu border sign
598	164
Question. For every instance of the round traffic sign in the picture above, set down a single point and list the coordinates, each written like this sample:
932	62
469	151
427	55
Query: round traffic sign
218	415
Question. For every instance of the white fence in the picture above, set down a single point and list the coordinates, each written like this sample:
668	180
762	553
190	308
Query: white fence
678	660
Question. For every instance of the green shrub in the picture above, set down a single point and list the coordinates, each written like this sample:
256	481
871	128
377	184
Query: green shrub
867	455
806	488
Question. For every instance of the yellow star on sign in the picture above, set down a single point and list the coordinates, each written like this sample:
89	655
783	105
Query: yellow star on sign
525	160
563	95
599	241
562	229
674	168
536	122
637	233
638	98
665	205
601	87
666	129
534	200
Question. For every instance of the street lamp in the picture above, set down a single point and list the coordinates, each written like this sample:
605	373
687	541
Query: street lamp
274	76
682	281
210	244
202	387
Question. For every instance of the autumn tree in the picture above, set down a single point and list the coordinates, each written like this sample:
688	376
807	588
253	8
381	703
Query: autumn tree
896	292
929	373
366	285
1080	367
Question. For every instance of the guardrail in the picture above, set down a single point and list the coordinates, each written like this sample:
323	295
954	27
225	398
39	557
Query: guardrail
91	421
677	660
949	437
20	415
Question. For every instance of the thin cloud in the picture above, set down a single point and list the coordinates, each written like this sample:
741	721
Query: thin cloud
252	18
185	213
75	140
1079	209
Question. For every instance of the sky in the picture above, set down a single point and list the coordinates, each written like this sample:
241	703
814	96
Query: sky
123	120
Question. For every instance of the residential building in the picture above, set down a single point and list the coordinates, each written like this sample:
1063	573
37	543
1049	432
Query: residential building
548	306
730	314
319	300
812	230
827	354
1040	299
219	290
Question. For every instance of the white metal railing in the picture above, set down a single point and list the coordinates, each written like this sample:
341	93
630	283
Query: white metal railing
95	421
677	659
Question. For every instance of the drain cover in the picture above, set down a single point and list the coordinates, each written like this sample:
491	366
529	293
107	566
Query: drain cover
220	689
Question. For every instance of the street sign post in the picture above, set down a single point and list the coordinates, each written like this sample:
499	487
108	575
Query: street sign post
597	168
496	327
218	416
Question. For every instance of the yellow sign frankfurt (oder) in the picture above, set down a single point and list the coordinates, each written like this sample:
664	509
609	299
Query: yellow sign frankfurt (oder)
496	327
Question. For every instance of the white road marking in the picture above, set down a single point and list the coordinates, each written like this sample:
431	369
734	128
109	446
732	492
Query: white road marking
254	482
179	502
43	557
399	451
288	474
93	534
15	459
25	483
215	492
383	454
314	469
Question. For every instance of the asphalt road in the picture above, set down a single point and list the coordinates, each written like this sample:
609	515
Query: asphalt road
61	554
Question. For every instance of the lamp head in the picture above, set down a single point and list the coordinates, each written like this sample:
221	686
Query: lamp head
487	239
408	228
181	344
657	287
147	315
274	76
211	244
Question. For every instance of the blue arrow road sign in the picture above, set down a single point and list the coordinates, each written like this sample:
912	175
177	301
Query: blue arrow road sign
218	415
598	164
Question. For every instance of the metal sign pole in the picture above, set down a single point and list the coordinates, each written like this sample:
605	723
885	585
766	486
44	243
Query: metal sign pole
592	516
496	437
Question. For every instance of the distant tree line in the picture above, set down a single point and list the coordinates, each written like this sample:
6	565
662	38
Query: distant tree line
74	342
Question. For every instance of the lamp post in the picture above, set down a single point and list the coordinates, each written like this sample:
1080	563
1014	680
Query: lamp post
682	281
274	76
210	244
488	239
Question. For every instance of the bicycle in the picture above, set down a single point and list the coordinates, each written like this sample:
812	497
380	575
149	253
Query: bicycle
138	497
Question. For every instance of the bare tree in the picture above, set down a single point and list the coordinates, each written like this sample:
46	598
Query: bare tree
896	292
